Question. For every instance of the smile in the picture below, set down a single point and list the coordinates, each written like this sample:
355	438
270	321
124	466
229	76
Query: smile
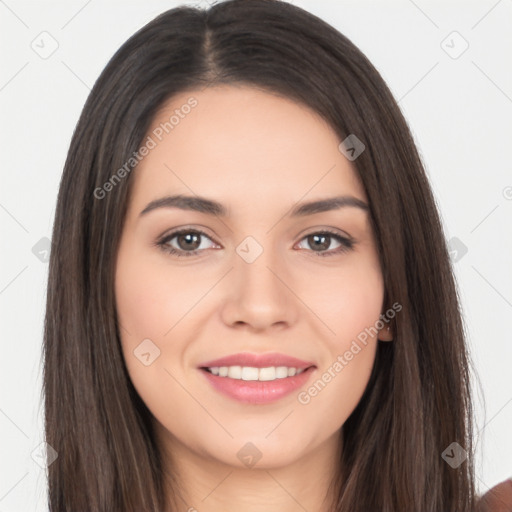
257	378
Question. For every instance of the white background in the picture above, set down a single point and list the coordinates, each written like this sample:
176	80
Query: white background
460	112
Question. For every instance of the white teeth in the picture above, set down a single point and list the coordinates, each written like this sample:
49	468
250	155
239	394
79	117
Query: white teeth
235	372
251	373
267	373
281	372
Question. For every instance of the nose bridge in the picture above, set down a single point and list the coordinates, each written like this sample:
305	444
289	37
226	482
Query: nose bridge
257	293
257	267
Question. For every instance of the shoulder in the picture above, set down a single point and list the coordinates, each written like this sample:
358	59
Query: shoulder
497	499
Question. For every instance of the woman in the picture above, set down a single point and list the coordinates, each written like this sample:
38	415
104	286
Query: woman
250	301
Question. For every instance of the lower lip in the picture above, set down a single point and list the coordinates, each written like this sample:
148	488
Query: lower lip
255	391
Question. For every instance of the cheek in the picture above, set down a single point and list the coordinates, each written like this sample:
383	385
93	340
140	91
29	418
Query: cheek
337	388
350	303
150	300
148	305
347	300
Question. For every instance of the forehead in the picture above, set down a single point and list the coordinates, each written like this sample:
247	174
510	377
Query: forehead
242	142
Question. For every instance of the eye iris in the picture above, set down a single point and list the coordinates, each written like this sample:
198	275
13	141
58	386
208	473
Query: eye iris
315	238
187	237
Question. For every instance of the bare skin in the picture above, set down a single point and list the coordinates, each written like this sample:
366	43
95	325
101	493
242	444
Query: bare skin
497	499
260	156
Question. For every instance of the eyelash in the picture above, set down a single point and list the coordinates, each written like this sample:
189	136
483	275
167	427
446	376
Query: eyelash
346	243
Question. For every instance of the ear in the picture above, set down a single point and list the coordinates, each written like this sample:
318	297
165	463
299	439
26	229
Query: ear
385	334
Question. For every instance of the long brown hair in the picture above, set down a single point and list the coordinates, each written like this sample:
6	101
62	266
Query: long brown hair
417	402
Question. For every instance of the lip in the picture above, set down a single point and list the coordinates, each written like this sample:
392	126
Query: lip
258	361
254	391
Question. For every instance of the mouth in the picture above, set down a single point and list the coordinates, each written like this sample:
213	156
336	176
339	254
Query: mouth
258	384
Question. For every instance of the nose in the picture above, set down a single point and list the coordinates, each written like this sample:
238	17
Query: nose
259	295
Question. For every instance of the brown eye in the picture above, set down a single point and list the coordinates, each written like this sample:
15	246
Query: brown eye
320	243
188	242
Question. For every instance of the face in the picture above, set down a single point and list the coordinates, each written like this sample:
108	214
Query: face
249	276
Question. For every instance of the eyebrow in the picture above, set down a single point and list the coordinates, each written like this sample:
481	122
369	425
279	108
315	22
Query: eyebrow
211	207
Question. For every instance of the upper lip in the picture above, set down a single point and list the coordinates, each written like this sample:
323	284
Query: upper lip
258	361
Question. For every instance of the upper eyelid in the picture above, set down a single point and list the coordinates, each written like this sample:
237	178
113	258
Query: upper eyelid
178	231
200	231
